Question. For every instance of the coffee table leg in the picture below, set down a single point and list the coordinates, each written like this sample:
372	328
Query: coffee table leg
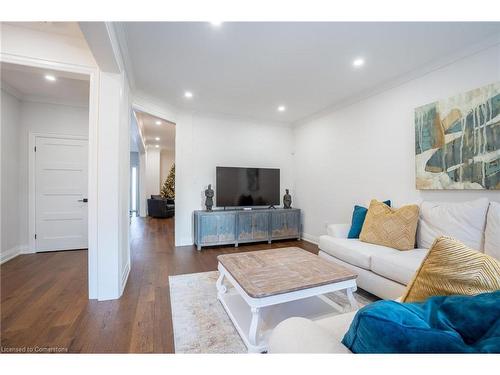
350	297
221	289
254	326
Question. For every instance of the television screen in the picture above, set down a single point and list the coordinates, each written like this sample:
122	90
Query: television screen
246	187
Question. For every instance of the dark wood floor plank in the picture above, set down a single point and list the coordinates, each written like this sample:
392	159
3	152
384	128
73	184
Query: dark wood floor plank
44	299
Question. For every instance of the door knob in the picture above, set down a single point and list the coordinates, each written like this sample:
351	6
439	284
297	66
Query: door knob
84	200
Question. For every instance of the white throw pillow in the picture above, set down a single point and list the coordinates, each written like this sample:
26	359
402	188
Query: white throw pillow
492	232
463	221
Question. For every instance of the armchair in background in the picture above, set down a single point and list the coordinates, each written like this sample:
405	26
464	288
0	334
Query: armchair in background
160	207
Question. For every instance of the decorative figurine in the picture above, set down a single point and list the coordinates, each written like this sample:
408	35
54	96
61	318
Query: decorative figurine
287	200
209	194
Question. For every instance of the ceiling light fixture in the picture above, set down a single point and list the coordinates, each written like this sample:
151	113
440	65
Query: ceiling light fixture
281	108
157	146
157	138
188	94
359	62
216	23
50	77
158	122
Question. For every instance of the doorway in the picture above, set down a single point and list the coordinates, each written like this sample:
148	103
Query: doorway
153	156
52	202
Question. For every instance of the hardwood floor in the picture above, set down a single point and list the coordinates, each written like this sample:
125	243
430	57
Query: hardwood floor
44	303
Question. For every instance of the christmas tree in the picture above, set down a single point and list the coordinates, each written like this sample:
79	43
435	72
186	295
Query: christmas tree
168	188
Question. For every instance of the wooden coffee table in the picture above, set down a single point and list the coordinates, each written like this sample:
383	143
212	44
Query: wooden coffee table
273	285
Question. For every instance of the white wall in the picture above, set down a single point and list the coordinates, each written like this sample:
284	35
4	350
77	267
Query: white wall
366	150
167	159
152	171
143	191
203	142
9	134
124	183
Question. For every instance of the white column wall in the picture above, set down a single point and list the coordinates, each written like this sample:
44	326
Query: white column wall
142	185
152	171
113	186
10	196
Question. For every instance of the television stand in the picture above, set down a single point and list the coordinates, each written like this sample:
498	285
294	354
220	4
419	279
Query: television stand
219	227
271	207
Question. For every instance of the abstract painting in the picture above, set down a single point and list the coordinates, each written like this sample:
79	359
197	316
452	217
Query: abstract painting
457	141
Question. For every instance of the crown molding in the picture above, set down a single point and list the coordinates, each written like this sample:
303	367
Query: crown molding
122	44
11	90
158	108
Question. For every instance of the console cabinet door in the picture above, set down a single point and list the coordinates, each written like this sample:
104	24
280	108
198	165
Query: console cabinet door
226	227
244	226
217	228
253	226
285	224
209	233
260	226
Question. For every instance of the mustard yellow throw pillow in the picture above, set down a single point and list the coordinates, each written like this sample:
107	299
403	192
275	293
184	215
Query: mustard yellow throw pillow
390	227
449	268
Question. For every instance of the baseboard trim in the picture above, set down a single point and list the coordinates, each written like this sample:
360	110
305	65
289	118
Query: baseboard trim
310	238
10	254
124	280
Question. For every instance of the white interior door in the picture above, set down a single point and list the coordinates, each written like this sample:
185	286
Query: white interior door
61	194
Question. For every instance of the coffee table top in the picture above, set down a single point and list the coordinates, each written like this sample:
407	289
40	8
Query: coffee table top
269	272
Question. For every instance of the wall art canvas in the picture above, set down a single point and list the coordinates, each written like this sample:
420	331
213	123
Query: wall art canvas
457	141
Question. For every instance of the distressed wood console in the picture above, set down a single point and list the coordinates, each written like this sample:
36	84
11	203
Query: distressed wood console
225	227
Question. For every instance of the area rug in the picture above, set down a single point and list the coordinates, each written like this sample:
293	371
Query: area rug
201	324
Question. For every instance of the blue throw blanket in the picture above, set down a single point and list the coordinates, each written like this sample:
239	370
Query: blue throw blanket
451	324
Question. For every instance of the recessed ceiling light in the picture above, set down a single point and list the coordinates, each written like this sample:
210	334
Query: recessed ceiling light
50	77
216	23
358	62
188	94
281	108
157	146
157	138
158	122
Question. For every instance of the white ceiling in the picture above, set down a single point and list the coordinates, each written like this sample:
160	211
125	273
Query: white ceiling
248	69
150	130
29	83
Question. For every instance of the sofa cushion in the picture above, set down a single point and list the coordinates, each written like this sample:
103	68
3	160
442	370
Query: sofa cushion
492	232
399	266
386	226
444	324
352	251
450	267
358	219
463	221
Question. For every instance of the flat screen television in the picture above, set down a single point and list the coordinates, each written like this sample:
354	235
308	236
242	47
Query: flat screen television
247	187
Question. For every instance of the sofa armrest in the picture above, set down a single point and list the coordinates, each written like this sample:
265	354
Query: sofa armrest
338	230
300	335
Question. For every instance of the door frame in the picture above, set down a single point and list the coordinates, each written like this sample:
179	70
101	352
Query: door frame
32	181
94	78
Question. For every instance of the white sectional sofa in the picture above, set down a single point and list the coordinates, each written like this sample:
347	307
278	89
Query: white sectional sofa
385	272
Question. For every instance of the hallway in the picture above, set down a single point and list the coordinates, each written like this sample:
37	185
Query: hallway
44	300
